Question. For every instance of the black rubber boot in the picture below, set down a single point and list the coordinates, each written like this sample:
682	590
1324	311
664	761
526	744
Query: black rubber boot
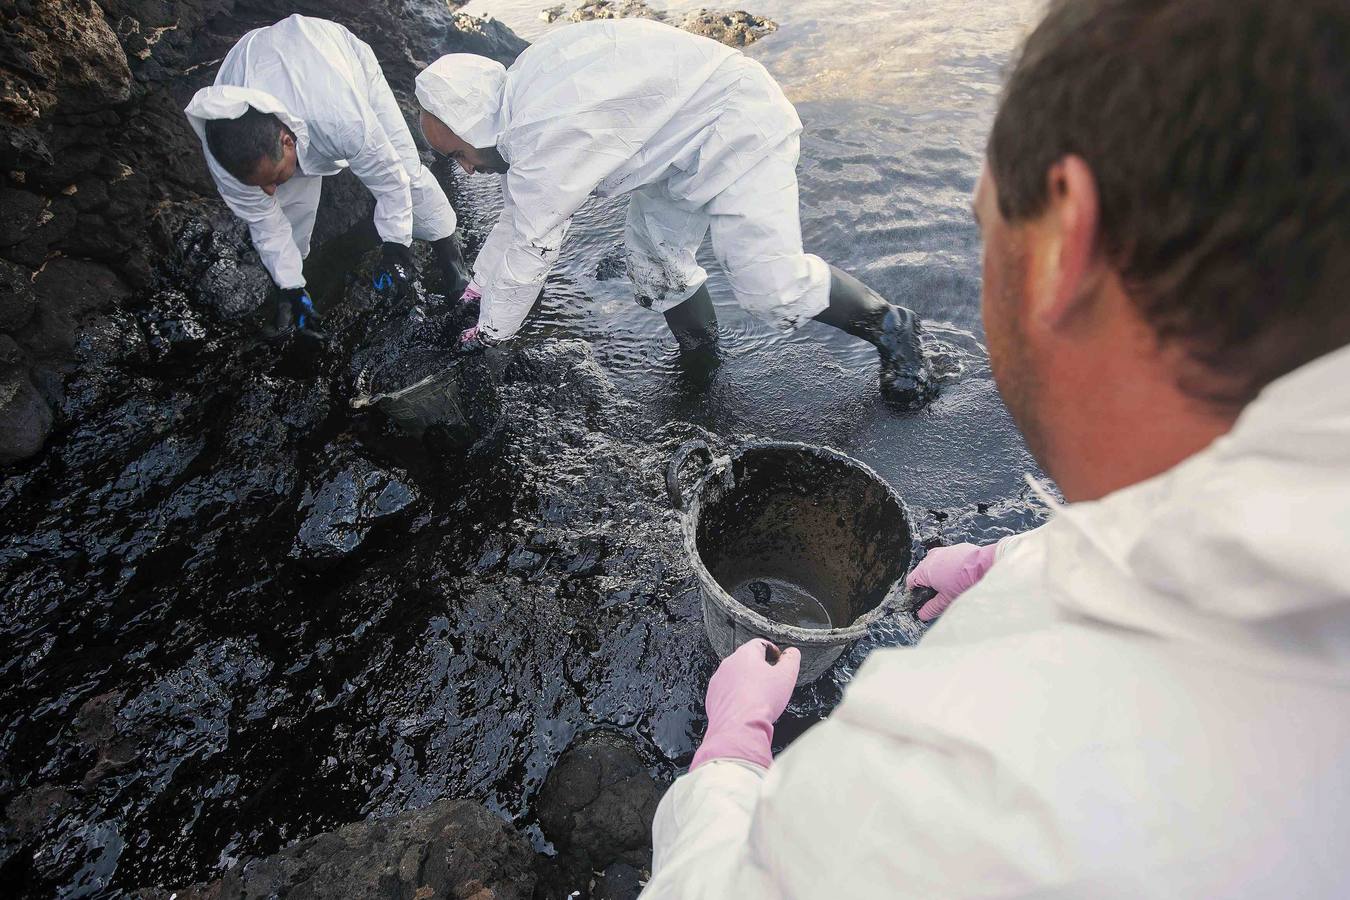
906	379
694	324
894	330
450	262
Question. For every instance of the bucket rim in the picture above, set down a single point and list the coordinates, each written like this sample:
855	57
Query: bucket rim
795	635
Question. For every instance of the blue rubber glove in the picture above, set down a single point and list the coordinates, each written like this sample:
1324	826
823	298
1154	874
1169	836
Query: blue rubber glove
395	273
295	314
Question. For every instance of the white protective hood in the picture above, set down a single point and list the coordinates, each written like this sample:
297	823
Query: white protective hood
1243	549
227	101
466	92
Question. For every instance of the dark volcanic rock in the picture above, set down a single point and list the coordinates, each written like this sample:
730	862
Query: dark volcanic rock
452	849
239	614
25	418
735	29
16	297
23	214
597	808
68	292
342	508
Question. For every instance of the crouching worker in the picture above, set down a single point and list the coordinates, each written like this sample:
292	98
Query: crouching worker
698	136
1148	696
299	100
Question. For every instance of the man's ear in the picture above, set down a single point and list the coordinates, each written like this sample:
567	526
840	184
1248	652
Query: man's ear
1073	266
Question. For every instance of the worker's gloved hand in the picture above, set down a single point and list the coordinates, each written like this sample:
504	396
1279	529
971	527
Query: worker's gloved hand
295	314
473	340
396	271
470	299
951	571
746	696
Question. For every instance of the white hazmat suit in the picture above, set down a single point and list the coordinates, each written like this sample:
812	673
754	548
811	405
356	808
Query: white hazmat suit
1147	697
326	87
696	133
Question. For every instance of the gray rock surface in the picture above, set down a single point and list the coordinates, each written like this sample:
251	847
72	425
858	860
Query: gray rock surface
25	416
16	297
591	10
597	808
733	28
450	849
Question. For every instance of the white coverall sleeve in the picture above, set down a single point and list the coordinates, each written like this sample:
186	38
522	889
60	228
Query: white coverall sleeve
375	160
510	271
865	804
700	832
558	170
267	225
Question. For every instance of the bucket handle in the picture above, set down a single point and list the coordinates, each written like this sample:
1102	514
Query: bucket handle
677	460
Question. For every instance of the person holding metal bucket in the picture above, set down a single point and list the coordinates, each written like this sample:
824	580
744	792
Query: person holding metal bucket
1150	694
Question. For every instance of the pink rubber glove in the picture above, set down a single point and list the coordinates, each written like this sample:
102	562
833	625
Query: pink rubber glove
951	571
746	695
472	340
471	294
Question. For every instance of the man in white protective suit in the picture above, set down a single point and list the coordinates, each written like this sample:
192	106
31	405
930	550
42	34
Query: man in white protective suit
698	136
299	100
1148	696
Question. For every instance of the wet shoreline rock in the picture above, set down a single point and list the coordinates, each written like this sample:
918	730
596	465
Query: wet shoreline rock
241	614
597	808
451	849
268	615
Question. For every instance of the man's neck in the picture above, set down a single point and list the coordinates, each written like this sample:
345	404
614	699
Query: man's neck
1123	418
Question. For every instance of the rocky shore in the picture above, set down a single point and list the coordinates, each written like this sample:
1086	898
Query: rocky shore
257	641
733	28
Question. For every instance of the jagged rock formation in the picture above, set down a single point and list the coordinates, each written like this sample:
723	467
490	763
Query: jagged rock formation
450	849
735	29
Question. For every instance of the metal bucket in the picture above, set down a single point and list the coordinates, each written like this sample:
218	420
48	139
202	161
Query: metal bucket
434	400
797	544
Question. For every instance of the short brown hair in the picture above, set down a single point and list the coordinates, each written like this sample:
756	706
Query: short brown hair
240	145
1218	132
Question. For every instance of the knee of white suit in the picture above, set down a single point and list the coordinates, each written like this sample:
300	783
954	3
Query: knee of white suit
784	291
662	282
661	239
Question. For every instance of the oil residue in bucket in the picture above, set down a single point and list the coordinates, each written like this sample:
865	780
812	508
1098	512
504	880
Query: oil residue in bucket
783	602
